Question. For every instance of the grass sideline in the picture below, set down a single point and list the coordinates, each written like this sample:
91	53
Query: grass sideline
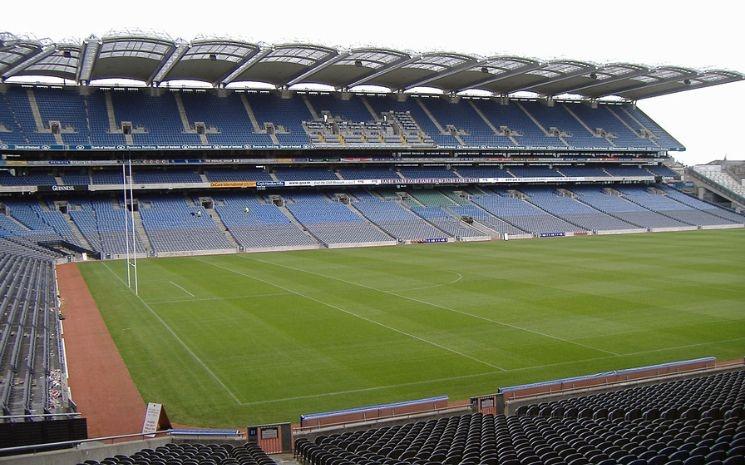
243	339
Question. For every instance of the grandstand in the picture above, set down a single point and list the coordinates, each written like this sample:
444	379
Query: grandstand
507	148
694	420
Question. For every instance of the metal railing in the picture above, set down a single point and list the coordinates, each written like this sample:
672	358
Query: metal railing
39	415
77	442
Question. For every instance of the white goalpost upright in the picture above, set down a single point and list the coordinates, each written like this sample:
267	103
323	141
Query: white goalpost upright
126	223
129	222
134	234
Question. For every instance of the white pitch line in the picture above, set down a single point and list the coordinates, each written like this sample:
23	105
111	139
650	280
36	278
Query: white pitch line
478	375
500	323
204	299
432	286
343	310
176	336
373	388
182	288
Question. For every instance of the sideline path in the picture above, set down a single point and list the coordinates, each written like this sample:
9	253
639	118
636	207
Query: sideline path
101	386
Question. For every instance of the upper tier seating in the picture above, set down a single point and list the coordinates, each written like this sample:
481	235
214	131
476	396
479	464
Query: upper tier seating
522	128
237	174
171	117
619	134
371	172
472	129
287	115
641	120
34	179
582	171
483	171
558	116
426	172
225	119
625	170
155	119
173	175
534	172
661	170
302	174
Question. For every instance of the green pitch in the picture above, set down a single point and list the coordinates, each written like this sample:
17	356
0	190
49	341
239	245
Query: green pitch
244	339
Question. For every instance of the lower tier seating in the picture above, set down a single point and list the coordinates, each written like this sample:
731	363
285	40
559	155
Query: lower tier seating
223	221
191	454
31	377
713	434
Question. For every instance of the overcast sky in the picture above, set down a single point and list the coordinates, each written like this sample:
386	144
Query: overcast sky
709	122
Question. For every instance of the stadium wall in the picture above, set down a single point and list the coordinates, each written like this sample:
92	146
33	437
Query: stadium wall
86	451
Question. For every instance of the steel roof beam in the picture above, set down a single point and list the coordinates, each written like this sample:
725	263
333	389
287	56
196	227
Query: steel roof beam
499	77
633	74
316	68
28	62
87	59
680	77
384	70
701	85
442	74
247	63
561	77
168	64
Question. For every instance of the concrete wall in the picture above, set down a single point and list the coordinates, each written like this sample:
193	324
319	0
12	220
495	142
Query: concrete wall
87	451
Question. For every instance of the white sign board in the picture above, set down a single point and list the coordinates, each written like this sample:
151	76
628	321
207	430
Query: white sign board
152	415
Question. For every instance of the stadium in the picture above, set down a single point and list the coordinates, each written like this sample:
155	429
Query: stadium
331	256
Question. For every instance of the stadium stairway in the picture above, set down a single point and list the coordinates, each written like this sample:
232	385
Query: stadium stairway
659	212
366	220
77	233
221	226
526	198
414	201
285	211
141	234
539	125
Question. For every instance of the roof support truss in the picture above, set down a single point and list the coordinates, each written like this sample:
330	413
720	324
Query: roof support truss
153	58
499	77
28	62
87	59
169	63
247	63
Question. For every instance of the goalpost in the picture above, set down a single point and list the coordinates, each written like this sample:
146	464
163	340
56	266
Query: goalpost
131	252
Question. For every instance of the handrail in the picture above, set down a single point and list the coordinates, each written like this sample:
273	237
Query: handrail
297	429
42	415
77	442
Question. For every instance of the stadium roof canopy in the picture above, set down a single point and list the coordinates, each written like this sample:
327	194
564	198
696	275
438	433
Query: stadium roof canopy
156	60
